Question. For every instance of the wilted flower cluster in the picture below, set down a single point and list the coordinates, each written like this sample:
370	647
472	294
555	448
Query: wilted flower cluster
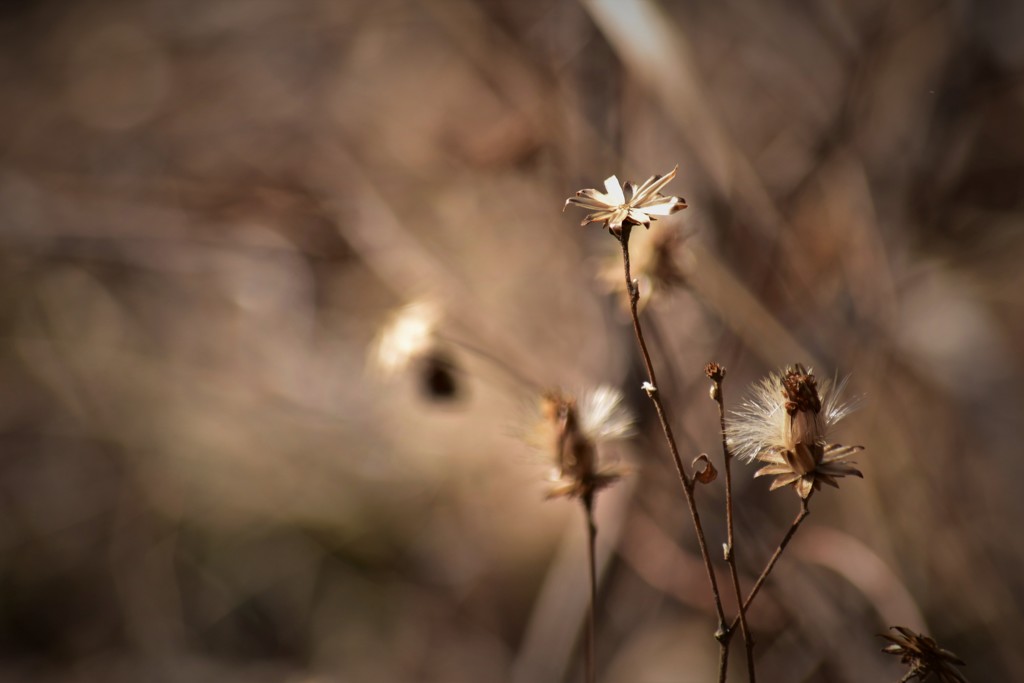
924	656
645	203
575	429
785	424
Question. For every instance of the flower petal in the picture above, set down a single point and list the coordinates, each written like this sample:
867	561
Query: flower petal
631	191
834	452
639	217
611	185
653	185
772	470
840	470
773	457
599	216
800	459
660	205
824	478
591	199
785	480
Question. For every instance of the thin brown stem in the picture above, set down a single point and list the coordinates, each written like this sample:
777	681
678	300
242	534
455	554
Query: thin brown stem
804	511
588	509
717	374
909	675
655	396
507	369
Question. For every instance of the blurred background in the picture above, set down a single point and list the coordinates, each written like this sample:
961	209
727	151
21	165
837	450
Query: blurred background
224	456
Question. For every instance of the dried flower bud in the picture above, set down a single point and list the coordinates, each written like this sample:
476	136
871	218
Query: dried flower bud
715	372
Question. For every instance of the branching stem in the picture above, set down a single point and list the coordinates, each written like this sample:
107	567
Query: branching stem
804	511
722	634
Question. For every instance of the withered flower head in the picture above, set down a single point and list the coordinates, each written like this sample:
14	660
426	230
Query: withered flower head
645	203
576	429
924	656
659	264
785	423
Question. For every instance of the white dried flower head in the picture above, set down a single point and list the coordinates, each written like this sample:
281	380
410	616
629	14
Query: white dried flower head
645	203
409	334
785	423
576	428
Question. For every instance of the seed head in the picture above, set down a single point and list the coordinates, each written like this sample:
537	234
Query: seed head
924	656
660	265
576	429
785	423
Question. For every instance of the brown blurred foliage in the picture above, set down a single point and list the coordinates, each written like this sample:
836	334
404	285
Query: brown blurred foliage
208	208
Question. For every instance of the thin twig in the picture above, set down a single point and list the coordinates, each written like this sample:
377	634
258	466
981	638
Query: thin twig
670	373
723	659
509	370
804	511
717	374
634	296
588	509
910	674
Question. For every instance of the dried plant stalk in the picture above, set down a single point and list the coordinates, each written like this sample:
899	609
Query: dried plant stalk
684	479
619	215
801	516
588	510
716	373
576	427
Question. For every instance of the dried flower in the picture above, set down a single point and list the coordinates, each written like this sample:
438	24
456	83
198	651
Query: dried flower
576	429
408	335
659	264
924	656
785	423
644	205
